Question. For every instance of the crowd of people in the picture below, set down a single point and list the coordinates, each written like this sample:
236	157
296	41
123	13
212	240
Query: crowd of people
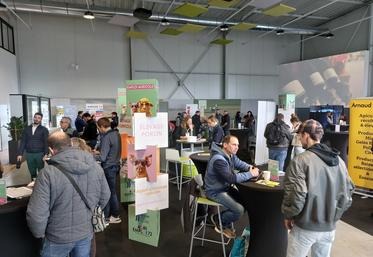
317	186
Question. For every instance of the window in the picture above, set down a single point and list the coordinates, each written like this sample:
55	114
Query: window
6	36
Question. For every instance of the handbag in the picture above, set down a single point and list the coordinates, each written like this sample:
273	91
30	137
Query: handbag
98	217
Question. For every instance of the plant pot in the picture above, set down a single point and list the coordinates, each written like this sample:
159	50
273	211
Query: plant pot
12	149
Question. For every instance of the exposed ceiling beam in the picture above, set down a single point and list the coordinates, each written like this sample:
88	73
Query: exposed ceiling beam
78	10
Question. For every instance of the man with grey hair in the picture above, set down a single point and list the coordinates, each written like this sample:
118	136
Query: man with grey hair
318	190
56	212
65	125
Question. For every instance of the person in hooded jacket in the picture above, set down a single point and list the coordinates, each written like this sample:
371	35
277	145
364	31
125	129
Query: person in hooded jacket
220	179
56	211
318	190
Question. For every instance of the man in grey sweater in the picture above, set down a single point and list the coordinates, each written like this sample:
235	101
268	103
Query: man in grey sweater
110	155
55	211
317	192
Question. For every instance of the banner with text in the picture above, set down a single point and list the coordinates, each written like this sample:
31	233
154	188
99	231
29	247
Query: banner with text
360	156
151	196
153	130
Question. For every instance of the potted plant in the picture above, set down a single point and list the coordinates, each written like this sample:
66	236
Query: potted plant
15	128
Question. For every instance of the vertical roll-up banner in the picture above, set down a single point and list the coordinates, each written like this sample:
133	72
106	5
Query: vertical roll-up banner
360	154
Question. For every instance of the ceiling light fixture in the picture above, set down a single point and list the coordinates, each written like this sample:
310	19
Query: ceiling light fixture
89	15
224	27
280	32
2	7
165	22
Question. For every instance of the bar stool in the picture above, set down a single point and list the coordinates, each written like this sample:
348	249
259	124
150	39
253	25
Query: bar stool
207	202
172	155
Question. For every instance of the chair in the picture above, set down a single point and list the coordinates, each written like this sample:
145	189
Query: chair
207	202
172	155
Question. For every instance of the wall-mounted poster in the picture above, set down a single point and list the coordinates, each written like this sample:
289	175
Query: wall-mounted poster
143	163
95	109
151	196
153	130
142	97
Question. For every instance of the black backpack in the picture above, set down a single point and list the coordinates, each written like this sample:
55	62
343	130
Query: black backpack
275	135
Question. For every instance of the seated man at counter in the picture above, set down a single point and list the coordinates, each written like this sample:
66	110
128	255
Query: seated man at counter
216	134
55	211
220	179
317	192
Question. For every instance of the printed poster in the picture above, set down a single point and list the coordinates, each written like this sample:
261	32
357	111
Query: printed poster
121	104
151	196
142	97
95	109
143	163
3	197
144	228
360	154
152	130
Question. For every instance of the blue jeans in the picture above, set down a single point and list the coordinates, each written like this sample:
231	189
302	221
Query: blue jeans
232	204
81	248
278	154
300	241
112	207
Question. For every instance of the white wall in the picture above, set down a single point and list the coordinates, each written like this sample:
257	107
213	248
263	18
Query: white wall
8	76
47	52
320	47
252	68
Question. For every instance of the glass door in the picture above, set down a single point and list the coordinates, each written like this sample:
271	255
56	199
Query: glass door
32	103
44	106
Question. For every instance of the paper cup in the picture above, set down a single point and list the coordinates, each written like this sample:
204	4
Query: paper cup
266	175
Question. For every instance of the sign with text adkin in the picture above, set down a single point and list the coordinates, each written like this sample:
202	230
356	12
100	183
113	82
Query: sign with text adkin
360	154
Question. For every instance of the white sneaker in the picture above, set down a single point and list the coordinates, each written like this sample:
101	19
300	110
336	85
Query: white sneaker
115	219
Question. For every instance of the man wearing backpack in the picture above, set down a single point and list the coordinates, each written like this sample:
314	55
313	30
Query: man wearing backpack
317	192
278	138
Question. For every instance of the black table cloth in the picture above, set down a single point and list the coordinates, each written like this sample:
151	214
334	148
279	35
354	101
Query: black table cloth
200	160
16	239
268	236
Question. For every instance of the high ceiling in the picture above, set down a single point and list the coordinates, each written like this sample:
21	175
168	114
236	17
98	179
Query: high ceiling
309	14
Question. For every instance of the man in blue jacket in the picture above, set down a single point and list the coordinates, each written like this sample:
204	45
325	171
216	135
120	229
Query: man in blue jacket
220	179
35	143
110	155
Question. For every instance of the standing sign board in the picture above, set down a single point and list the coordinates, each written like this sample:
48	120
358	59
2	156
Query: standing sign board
360	154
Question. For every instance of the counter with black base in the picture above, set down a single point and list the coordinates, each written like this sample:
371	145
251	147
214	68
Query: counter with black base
268	236
16	239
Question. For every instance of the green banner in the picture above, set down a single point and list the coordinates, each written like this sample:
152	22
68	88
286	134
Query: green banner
3	198
127	190
144	228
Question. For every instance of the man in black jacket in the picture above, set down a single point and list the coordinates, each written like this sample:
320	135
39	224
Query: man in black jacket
35	142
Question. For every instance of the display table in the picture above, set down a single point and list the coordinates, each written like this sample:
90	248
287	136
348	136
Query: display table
16	239
339	141
200	160
268	236
198	142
